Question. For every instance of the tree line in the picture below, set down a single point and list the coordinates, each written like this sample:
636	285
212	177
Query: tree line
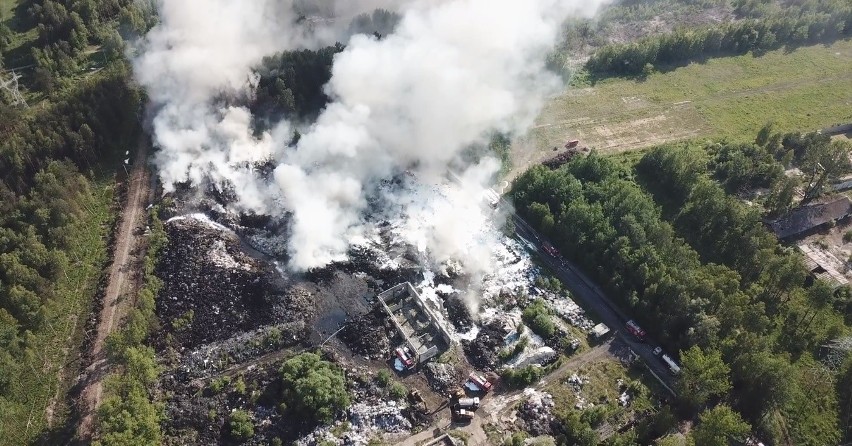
49	156
698	269
811	22
71	31
128	414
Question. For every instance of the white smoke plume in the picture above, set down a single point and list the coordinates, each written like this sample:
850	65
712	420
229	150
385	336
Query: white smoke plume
453	72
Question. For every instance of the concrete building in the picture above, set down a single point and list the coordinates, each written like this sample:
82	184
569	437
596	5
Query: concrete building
419	325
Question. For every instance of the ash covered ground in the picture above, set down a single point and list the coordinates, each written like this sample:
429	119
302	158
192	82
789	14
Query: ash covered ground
230	313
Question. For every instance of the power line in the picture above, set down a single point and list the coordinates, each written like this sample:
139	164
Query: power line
17	68
836	352
11	85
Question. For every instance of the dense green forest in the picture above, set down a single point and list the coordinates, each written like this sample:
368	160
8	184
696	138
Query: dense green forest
58	159
765	26
50	158
291	83
696	266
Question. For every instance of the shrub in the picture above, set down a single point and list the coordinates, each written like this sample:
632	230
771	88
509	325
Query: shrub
383	378
537	317
312	387
241	426
522	377
218	384
397	391
240	386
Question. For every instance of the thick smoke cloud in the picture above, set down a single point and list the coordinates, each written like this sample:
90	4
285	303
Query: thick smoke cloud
453	72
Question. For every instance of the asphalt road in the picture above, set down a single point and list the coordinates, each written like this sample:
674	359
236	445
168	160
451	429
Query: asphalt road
593	299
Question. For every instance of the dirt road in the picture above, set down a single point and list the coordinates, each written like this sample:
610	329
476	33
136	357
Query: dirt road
498	409
120	291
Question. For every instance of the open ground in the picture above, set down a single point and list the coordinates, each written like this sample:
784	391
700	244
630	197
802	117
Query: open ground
805	89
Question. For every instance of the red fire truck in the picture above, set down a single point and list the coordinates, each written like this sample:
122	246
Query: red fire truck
634	329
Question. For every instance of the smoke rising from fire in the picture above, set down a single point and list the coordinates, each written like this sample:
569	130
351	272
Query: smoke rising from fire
452	73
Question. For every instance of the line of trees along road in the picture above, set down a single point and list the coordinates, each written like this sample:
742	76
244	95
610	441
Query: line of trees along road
811	22
49	157
697	267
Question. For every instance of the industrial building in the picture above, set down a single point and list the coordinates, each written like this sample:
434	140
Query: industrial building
419	325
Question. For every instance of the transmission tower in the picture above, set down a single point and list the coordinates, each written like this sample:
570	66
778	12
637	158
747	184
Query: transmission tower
11	85
836	352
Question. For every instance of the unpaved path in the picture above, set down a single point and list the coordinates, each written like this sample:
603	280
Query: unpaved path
498	409
118	296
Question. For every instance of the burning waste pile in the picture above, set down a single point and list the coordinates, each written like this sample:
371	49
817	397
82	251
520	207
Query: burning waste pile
287	224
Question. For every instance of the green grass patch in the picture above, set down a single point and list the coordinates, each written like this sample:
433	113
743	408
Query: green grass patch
807	89
601	391
55	346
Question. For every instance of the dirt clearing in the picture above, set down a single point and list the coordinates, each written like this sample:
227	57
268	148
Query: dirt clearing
121	287
809	88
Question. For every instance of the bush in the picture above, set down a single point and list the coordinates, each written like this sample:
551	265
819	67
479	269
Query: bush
522	377
217	385
847	236
240	386
383	378
313	388
537	317
397	391
240	425
517	439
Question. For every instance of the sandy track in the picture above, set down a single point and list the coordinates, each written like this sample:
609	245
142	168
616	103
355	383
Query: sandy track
120	291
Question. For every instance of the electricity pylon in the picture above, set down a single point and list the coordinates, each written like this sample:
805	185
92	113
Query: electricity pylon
11	85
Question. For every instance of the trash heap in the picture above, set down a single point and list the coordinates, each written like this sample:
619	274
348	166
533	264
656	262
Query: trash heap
365	421
441	377
535	415
576	383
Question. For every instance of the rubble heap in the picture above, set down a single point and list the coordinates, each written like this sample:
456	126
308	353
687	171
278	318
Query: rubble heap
442	377
214	288
458	312
535	415
369	334
482	351
365	420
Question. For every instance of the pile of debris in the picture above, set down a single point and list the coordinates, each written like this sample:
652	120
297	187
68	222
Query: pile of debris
562	158
576	383
535	415
567	309
213	287
441	377
212	358
483	350
365	421
458	312
369	334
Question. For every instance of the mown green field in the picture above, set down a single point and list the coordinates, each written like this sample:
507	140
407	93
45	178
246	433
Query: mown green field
805	89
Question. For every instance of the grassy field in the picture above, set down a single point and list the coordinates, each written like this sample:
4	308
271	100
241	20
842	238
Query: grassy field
806	89
55	349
